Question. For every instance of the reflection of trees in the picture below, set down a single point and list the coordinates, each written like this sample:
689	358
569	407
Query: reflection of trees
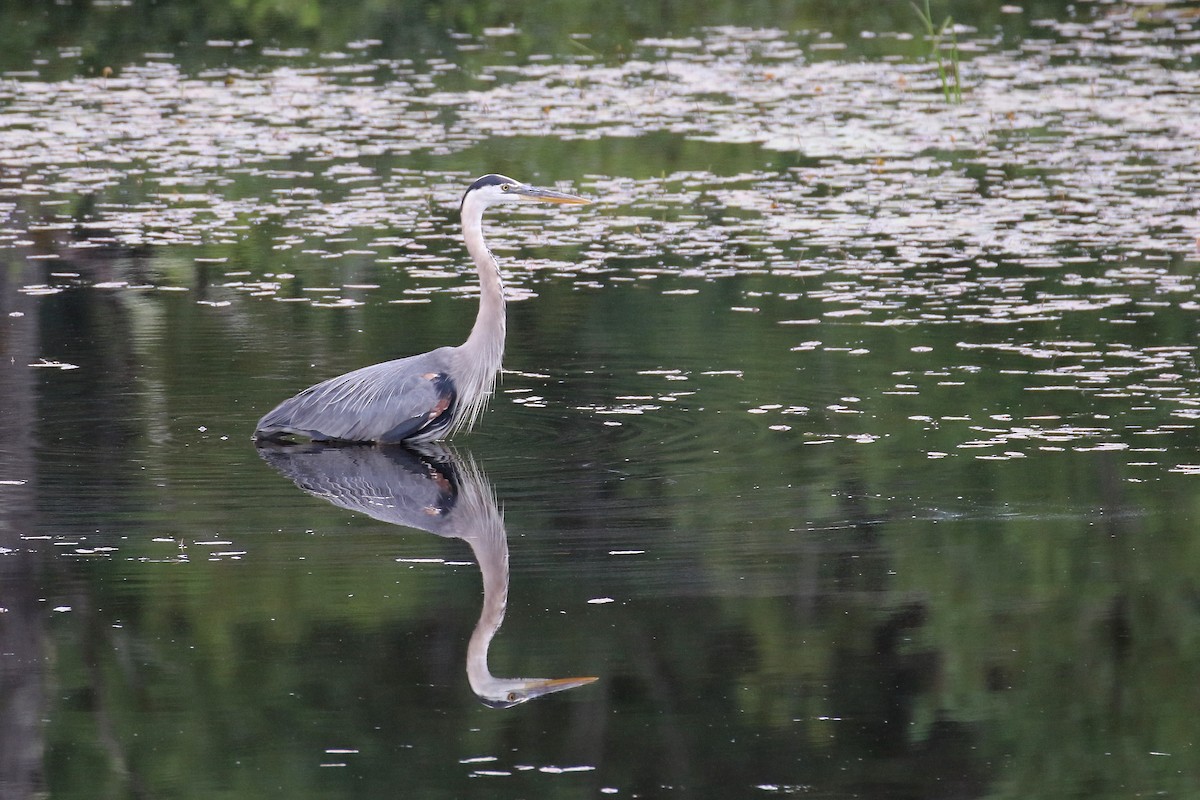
1063	631
22	634
815	661
44	422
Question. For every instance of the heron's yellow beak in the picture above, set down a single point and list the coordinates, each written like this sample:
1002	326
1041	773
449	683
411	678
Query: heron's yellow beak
532	194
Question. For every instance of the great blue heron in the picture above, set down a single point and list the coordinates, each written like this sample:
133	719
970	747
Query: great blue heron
425	397
435	491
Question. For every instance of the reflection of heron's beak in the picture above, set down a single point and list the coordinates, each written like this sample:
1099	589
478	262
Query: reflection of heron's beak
539	687
532	194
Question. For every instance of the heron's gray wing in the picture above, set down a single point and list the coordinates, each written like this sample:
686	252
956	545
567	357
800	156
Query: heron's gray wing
393	484
386	403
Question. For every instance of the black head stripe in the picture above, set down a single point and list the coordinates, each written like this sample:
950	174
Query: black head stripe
490	180
487	180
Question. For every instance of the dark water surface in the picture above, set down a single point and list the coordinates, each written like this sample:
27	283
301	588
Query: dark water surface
849	440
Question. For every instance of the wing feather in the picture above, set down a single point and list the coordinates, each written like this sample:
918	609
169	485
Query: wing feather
409	399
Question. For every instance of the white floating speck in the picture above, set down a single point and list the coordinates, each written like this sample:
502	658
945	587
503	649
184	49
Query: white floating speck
597	601
54	364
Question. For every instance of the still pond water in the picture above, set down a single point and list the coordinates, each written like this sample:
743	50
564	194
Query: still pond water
849	441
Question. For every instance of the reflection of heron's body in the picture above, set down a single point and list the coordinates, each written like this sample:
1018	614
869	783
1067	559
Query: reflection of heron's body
424	397
435	492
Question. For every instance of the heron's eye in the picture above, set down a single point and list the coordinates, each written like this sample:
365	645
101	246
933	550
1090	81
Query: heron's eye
512	696
506	187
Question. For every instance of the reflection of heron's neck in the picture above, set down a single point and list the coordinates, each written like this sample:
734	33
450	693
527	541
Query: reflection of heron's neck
481	355
491	551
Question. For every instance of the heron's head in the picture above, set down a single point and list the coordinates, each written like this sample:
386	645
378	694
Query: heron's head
496	189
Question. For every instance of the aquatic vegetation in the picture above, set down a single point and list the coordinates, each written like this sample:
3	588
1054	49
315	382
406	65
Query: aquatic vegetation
948	69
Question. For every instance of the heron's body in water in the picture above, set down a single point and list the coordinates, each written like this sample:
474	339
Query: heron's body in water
424	397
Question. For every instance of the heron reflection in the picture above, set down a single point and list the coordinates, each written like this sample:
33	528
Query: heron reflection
433	490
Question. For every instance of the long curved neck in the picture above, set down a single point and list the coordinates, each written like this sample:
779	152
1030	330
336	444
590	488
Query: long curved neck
483	352
487	337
